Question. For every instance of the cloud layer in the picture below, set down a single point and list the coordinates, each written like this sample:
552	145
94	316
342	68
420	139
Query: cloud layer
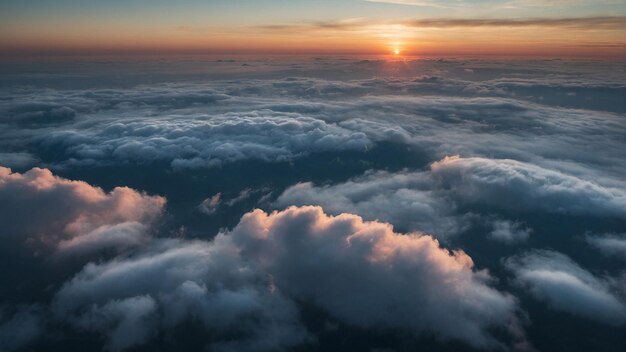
367	163
52	213
435	201
362	273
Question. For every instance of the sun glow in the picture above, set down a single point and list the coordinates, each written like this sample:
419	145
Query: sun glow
396	51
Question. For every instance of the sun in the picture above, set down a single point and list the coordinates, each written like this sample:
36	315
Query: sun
396	51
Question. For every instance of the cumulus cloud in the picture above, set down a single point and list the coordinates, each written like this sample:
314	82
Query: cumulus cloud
247	281
435	201
610	244
573	23
405	199
120	236
367	275
34	114
495	182
509	232
554	278
207	141
50	212
169	282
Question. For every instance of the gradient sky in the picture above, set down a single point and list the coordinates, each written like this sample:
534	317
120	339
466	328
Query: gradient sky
416	27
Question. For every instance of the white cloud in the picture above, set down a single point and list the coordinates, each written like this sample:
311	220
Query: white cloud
365	274
406	199
509	232
497	182
171	281
429	201
564	285
52	213
610	244
246	281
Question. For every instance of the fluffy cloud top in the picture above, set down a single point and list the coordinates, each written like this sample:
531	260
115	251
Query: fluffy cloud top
530	112
429	200
47	210
172	281
205	141
362	273
564	285
367	275
406	199
497	182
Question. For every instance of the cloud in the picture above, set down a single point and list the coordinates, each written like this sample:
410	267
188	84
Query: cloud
34	114
120	236
405	199
245	283
526	130
496	182
365	274
610	244
207	141
531	112
51	213
436	201
572	23
170	282
509	232
210	205
554	278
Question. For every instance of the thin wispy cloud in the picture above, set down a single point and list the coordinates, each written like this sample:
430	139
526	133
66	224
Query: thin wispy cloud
506	4
578	23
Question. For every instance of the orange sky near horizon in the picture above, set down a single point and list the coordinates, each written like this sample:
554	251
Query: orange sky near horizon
587	36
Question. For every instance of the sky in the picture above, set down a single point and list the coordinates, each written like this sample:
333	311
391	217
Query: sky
485	27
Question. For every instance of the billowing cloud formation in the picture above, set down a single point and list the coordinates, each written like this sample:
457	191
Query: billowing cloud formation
362	273
496	182
406	199
48	211
429	200
171	282
367	275
565	286
533	112
209	141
